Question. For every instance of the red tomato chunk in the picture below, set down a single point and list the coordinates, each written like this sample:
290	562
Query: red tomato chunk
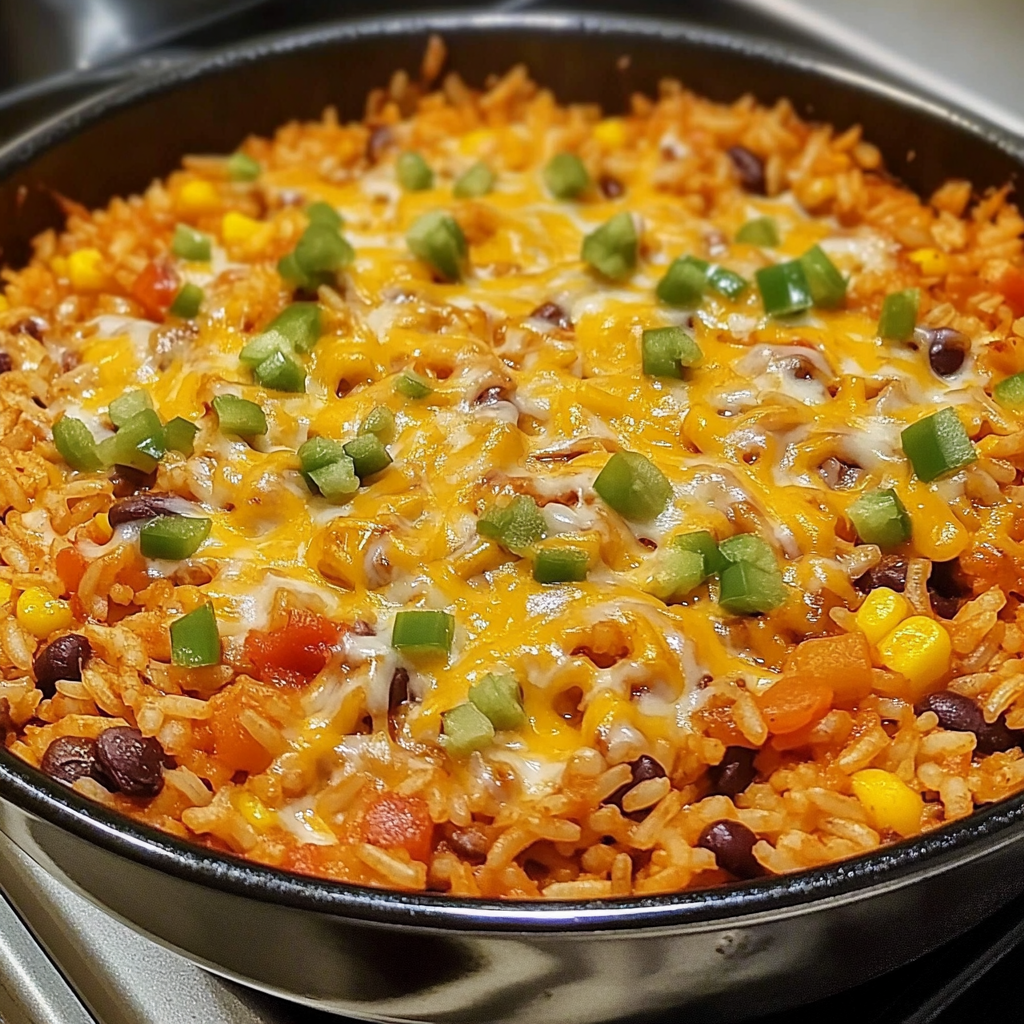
293	655
399	821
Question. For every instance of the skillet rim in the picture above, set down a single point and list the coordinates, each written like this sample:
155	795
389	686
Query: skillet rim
805	892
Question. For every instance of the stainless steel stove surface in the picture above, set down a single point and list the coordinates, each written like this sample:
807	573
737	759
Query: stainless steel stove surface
97	971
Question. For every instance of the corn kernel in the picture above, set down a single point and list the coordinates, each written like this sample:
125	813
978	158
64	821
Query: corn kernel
86	270
41	613
101	529
918	648
933	262
198	197
474	142
611	133
890	802
5	591
59	265
882	611
4	304
236	228
255	811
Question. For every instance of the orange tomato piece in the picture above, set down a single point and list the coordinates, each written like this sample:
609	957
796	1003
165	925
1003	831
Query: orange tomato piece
842	663
233	745
71	565
394	821
293	655
155	287
793	703
1011	284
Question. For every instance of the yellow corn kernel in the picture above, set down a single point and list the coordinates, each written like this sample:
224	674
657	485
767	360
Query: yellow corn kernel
882	611
41	613
86	270
4	304
918	648
5	591
255	811
198	197
100	530
890	802
933	262
59	265
474	142
611	132
236	228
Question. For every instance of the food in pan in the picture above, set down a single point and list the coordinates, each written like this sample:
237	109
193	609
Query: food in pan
503	499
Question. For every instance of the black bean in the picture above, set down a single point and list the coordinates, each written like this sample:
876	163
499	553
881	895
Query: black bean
610	186
553	314
947	349
470	844
643	769
947	588
62	659
491	395
33	326
839	474
399	692
144	506
128	481
362	628
961	714
750	168
735	772
6	364
891	572
70	758
133	762
733	846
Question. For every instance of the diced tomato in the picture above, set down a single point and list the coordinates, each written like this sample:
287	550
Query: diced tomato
154	289
795	702
71	566
841	662
292	656
233	745
399	821
1011	284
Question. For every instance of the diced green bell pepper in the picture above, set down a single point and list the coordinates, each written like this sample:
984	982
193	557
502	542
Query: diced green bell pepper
414	173
684	282
560	565
748	547
827	285
761	231
464	729
125	406
242	167
180	435
368	455
239	416
412	385
500	699
745	589
189	244
195	640
475	182
879	517
380	421
937	445
187	302
705	545
173	537
337	481
784	288
517	526
565	176
1009	393
634	486
436	239
668	351
899	315
674	573
77	447
139	443
280	372
727	282
423	632
323	213
300	323
612	248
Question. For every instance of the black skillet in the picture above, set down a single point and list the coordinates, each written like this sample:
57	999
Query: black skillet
724	954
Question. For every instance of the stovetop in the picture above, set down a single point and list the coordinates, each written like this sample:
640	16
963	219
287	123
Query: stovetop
97	971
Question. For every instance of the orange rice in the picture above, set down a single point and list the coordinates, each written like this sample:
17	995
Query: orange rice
313	743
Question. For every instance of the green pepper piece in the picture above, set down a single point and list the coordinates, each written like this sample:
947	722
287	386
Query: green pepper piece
612	248
827	285
281	373
517	526
180	435
189	244
565	176
318	452
748	547
464	729
880	518
173	537
674	573
761	231
125	406
500	699
195	640
187	302
139	442
412	385
368	455
414	173
747	590
242	167
321	251
560	565
667	351
937	445
727	282
423	632
704	545
634	486
899	315
239	416
380	421
436	239
323	213
263	346
77	447
684	282
1009	393
337	481
300	323
784	288
475	182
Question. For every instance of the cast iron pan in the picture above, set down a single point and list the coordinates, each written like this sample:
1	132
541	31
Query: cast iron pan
722	954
